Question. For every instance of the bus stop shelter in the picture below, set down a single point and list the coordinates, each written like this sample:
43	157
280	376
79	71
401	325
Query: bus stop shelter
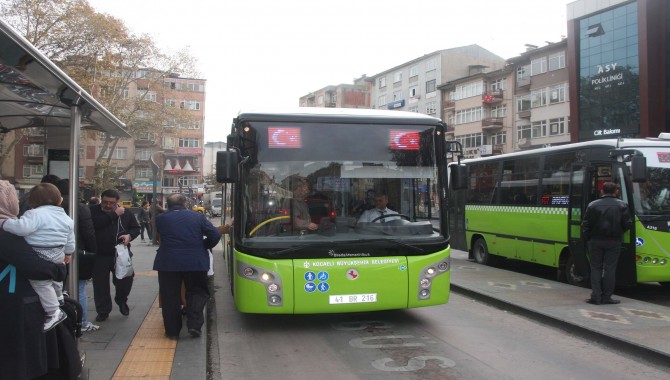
35	93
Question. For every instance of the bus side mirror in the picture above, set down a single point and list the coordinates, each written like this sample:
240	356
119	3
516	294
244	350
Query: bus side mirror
638	168
226	166
458	177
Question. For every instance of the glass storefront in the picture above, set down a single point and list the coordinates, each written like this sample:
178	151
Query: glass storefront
609	104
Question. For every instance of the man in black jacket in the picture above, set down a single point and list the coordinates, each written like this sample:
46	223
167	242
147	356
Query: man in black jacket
605	221
113	225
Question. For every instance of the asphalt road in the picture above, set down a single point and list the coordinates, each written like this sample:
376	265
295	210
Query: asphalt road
464	339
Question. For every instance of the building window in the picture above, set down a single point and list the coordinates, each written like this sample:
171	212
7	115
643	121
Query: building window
557	93
143	172
413	109
413	91
472	140
499	111
187	181
498	84
125	93
33	150
557	126
469	90
142	155
382	101
149	96
319	100
557	61
538	66
169	142
414	71
120	153
468	115
192	105
397	95
538	98
499	138
171	103
523	72
431	108
82	172
522	103
430	86
397	77
523	132
382	82
189	143
31	171
431	64
538	129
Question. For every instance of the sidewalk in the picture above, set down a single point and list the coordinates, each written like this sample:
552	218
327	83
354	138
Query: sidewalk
638	325
141	334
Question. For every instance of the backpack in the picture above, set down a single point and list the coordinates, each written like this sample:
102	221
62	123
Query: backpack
74	311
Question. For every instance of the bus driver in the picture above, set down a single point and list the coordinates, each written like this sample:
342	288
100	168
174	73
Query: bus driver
381	209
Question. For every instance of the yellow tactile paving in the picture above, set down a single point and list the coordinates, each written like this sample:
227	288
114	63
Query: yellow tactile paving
150	354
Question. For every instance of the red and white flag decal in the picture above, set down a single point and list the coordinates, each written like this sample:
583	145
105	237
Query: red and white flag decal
404	140
284	137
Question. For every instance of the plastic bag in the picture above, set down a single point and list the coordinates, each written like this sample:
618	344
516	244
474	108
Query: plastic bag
124	263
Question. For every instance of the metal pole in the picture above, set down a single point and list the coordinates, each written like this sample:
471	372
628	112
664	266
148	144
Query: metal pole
154	172
72	284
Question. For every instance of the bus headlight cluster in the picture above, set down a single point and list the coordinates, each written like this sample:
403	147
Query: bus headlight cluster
427	275
270	280
654	260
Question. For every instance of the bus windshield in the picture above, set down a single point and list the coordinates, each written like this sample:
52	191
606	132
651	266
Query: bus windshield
319	191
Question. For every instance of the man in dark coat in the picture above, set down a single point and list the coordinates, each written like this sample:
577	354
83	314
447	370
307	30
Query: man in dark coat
183	257
26	352
113	225
605	221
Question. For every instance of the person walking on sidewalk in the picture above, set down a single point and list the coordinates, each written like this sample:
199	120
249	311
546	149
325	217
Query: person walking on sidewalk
113	225
605	221
145	224
182	257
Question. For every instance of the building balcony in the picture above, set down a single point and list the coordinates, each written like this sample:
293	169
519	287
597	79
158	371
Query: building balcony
492	123
492	97
523	82
524	114
144	143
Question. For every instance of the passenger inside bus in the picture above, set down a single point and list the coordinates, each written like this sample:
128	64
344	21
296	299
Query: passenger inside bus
301	219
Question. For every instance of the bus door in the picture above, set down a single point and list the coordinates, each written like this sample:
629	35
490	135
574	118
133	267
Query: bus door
626	273
576	206
457	224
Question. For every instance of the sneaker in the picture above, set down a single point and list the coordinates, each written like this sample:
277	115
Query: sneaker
90	327
611	301
55	320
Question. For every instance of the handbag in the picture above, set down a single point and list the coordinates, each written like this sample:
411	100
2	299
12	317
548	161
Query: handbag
86	261
123	267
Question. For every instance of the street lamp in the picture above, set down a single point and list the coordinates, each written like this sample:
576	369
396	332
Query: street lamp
154	172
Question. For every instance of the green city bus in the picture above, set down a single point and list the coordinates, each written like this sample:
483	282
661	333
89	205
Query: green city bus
345	157
528	206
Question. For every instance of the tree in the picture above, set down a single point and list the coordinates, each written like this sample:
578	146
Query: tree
104	57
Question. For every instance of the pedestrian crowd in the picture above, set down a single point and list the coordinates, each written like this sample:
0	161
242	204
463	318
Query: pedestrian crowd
39	238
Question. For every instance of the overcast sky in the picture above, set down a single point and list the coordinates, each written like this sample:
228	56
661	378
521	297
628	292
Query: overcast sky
269	53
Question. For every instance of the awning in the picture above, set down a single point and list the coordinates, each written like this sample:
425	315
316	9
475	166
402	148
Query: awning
34	92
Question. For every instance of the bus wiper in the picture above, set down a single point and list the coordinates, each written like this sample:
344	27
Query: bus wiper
291	249
397	242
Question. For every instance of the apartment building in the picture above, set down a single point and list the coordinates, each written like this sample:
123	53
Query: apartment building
356	95
542	106
412	86
479	111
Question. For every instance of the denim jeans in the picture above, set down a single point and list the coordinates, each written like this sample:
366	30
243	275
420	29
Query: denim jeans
83	301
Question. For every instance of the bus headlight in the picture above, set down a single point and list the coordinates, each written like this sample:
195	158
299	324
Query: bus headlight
274	300
430	271
646	259
663	261
443	266
424	294
425	283
248	271
654	261
267	277
273	288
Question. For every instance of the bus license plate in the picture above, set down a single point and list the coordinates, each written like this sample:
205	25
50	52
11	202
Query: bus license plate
353	298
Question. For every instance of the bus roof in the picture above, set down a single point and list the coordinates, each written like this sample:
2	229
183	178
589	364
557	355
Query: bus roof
340	115
608	143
